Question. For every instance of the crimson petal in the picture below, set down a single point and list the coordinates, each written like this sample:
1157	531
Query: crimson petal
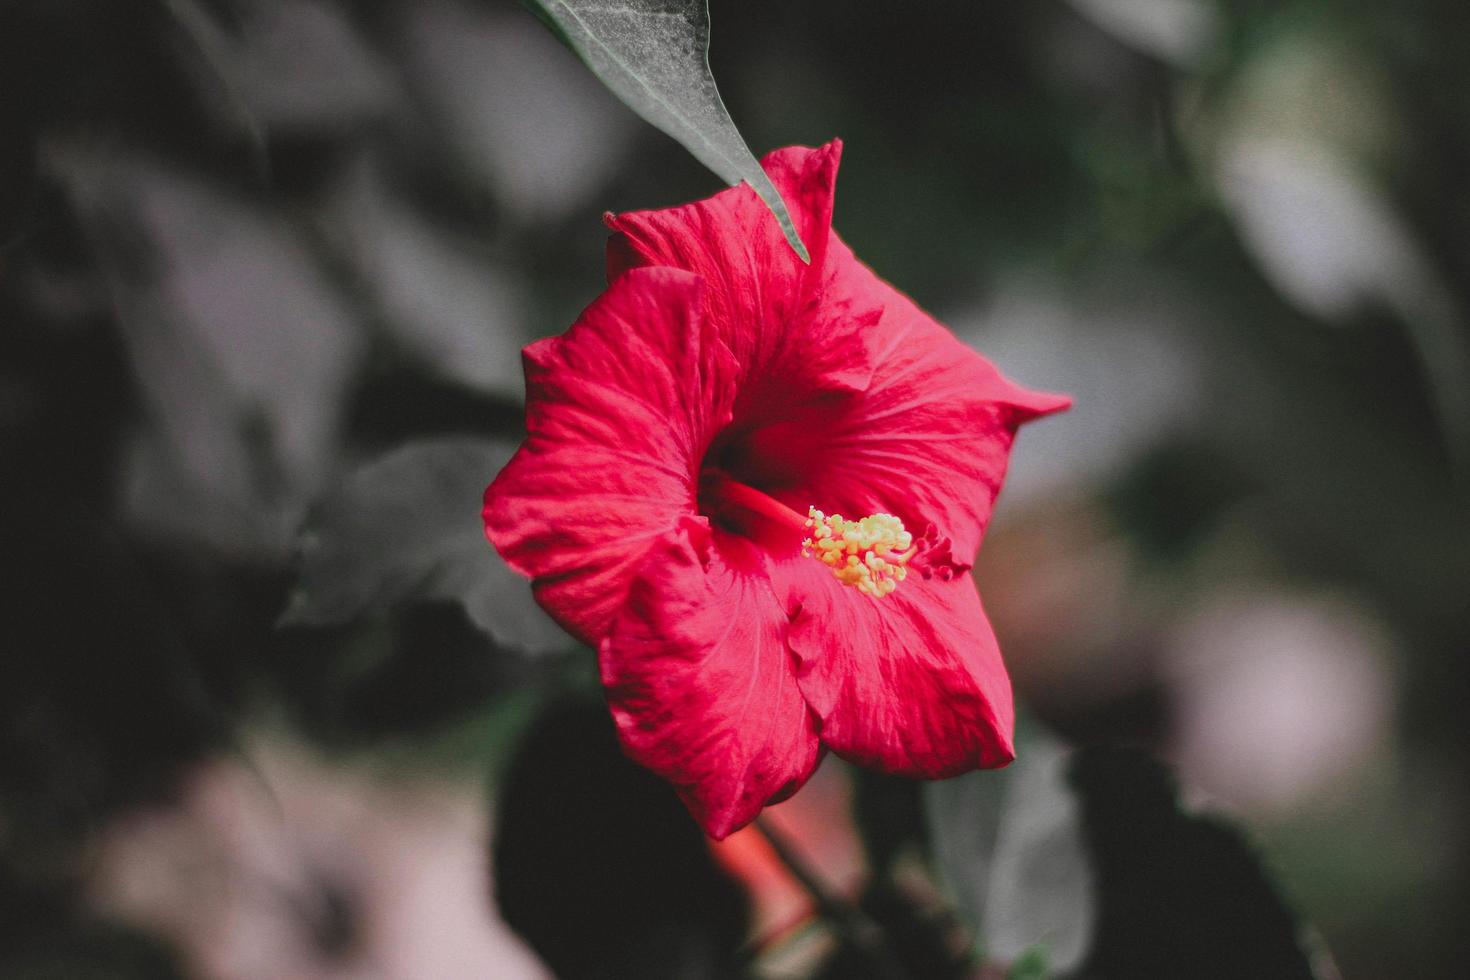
930	437
701	683
912	683
619	413
762	298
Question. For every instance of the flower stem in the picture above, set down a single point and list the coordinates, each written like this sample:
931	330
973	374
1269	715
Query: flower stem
851	924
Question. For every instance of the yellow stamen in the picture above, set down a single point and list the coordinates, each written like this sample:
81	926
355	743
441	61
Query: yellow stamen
871	554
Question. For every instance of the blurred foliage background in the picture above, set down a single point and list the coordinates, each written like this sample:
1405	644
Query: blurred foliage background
272	708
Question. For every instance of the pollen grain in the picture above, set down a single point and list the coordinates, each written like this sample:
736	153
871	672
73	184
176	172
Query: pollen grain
870	554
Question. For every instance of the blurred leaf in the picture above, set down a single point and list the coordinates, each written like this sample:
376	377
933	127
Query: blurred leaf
889	814
1330	240
1311	138
653	54
1040	890
220	82
242	348
303	65
1175	495
1179	895
914	939
1176	31
1031	965
1009	846
442	301
407	526
419	676
600	867
964	827
517	108
102	706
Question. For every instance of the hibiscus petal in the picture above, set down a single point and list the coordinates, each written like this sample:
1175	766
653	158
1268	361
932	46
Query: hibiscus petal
620	411
701	683
930	436
760	295
911	683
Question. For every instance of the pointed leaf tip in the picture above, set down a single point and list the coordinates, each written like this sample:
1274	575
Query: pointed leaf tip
654	56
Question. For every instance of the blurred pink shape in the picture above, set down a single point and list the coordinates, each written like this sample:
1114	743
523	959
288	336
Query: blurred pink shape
1281	699
291	869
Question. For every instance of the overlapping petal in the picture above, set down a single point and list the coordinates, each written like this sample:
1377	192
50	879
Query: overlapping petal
911	684
700	680
619	412
762	298
928	439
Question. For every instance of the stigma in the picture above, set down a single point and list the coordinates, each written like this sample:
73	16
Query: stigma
870	555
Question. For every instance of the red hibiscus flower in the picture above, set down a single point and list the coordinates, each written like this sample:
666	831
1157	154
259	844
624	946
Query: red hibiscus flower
688	438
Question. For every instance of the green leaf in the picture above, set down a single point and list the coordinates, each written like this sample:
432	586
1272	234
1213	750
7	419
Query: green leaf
1179	894
407	526
1009	849
654	55
1030	965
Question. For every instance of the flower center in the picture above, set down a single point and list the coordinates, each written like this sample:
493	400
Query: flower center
871	554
